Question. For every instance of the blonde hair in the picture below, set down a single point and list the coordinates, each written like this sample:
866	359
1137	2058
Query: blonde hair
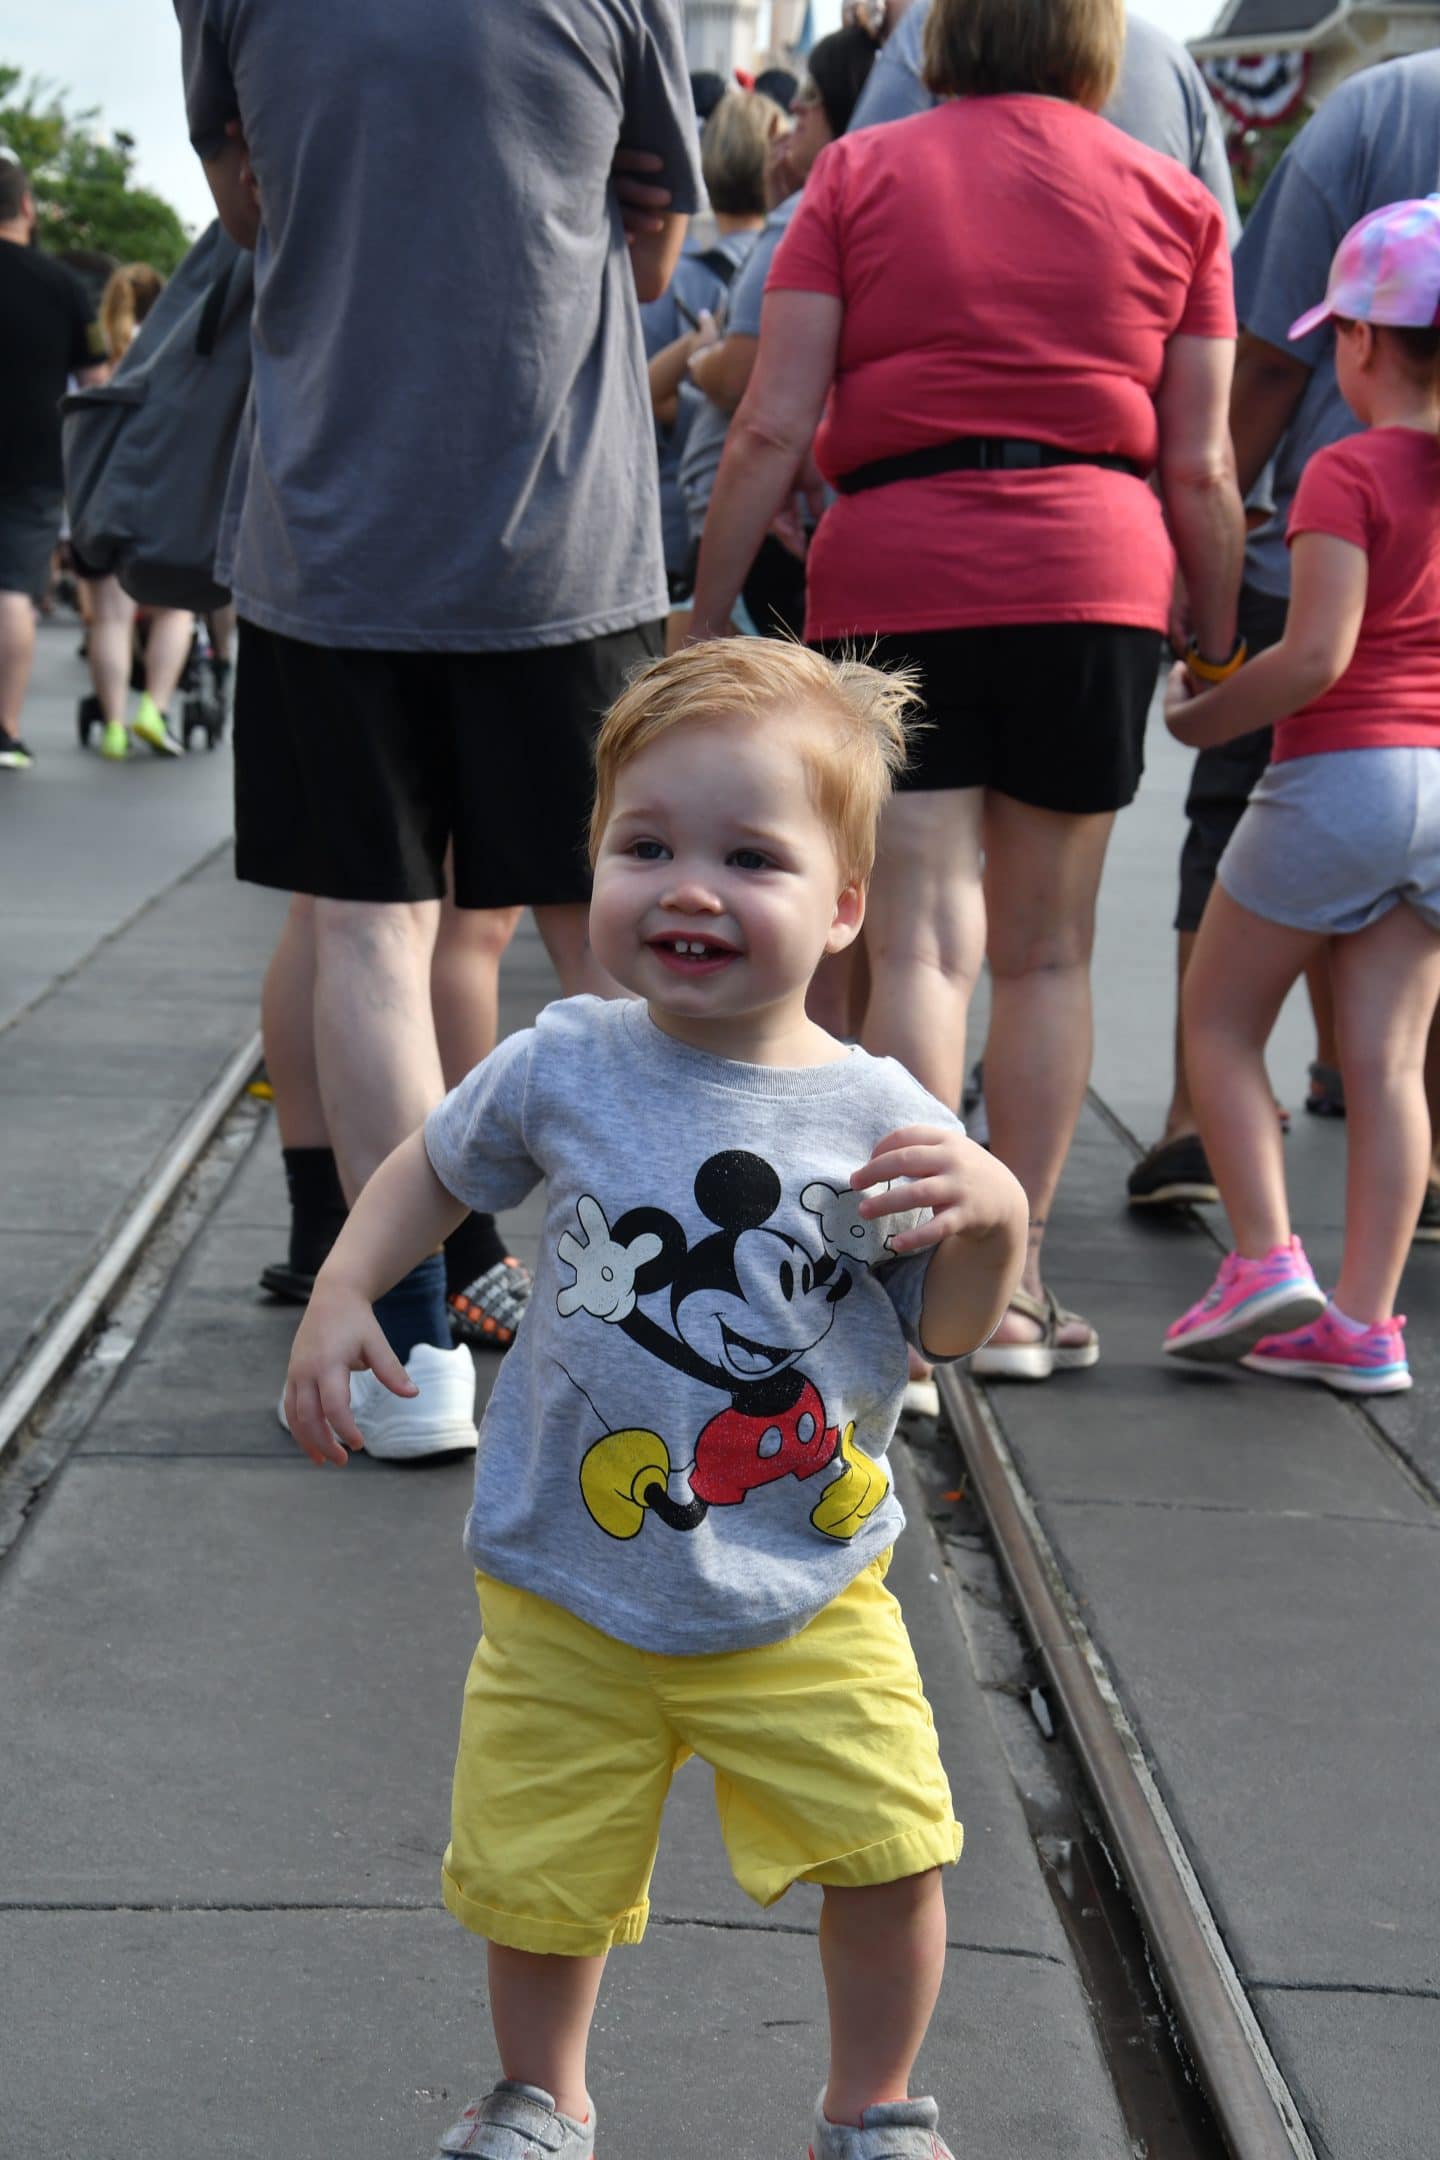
1056	48
130	293
852	759
732	152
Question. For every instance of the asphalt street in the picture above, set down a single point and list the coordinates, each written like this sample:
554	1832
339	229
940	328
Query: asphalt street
229	1682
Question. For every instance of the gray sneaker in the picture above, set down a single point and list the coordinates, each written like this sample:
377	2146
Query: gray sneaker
892	2130
518	2122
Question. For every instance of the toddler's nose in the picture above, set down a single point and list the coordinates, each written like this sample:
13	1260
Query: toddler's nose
692	896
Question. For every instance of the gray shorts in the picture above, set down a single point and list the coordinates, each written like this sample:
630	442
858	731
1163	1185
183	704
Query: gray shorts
1331	843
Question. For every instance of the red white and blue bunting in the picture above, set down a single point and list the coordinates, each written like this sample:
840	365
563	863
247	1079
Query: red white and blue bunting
1259	90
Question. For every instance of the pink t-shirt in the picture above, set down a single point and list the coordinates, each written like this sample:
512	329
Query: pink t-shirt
1381	492
1009	266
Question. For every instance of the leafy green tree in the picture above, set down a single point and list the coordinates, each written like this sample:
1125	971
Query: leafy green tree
85	196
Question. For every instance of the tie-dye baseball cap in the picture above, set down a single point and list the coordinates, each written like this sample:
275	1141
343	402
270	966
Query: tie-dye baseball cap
1386	270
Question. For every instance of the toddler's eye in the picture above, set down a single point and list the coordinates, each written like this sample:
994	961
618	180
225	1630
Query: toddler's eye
647	850
747	858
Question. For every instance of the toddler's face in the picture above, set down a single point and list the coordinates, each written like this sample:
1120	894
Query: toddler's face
717	887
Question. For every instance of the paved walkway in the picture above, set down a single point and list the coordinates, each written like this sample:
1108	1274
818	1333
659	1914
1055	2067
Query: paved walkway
228	1682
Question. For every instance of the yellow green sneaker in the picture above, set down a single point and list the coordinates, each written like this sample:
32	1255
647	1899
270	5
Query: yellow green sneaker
150	726
114	740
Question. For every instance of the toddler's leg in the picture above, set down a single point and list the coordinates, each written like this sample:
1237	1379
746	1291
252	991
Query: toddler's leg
1235	984
1386	982
882	1950
541	2008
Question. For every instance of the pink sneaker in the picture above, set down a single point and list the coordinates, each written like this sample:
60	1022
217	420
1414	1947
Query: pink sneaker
1247	1300
1370	1363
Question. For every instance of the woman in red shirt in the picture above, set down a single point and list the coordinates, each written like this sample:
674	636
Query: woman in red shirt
1009	315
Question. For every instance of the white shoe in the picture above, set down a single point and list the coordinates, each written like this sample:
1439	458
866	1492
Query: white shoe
440	1420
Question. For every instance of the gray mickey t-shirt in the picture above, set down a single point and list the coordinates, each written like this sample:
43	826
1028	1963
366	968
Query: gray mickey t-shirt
449	442
1160	100
686	1442
1375	140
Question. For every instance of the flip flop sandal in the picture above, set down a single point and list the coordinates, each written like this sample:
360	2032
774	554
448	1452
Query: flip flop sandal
1037	1360
1327	1091
486	1313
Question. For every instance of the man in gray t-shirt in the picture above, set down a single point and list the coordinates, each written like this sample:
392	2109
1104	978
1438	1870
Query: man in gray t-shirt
443	528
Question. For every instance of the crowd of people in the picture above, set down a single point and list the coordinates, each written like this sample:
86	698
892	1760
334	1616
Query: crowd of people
857	448
70	320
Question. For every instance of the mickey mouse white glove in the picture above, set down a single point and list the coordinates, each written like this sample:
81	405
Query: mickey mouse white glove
605	1272
847	1233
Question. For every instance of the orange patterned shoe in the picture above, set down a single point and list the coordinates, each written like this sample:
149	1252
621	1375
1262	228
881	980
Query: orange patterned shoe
485	1314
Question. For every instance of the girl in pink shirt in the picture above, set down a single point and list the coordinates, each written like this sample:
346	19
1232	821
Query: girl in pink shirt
1340	844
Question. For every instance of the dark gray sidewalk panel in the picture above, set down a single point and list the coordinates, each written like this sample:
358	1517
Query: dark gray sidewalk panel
1364	2066
1286	1679
306	2035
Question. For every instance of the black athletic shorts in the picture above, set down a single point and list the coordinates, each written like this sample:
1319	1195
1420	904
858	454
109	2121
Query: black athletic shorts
353	769
1051	714
30	521
1222	778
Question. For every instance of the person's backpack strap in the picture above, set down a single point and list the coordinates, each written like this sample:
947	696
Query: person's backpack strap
719	264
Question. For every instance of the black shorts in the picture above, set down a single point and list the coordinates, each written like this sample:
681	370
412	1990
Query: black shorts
1222	778
1051	714
30	521
354	769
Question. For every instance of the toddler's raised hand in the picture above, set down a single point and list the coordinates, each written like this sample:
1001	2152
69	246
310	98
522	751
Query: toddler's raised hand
338	1335
966	1190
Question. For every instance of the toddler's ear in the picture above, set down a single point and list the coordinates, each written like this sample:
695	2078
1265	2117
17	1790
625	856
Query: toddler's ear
849	917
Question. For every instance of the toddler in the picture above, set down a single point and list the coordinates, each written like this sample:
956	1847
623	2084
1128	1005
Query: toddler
1340	843
682	1512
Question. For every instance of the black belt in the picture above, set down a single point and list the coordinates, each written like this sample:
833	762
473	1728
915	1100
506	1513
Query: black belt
975	453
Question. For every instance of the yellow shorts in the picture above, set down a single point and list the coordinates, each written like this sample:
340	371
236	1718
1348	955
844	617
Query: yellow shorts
823	1747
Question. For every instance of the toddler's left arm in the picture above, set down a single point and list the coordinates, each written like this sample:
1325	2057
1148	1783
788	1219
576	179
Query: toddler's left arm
979	1218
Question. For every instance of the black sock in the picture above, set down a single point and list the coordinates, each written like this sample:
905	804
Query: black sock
414	1311
470	1250
317	1206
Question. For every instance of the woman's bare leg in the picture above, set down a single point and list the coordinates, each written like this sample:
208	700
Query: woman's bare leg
1386	981
167	648
925	935
1042	876
1242	970
111	645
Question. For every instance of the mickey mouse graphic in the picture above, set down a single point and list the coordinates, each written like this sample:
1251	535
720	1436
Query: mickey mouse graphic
747	1303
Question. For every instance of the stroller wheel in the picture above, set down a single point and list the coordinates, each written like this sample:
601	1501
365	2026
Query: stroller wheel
88	717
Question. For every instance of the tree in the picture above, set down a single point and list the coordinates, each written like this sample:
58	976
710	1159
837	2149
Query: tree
82	181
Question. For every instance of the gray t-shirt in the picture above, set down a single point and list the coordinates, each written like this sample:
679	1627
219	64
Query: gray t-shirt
1161	99
448	444
686	1442
708	423
1375	140
699	283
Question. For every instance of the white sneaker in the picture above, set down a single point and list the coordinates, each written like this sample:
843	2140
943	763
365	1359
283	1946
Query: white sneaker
440	1420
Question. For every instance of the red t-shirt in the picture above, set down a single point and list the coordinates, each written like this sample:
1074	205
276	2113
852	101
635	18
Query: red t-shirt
1381	492
1009	266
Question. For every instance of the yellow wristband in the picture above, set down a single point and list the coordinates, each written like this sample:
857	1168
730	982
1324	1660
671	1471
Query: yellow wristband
1213	671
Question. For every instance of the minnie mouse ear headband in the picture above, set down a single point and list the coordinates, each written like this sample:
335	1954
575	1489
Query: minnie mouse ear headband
1386	270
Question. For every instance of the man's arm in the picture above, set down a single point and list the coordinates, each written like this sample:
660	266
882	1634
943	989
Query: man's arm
232	183
1264	399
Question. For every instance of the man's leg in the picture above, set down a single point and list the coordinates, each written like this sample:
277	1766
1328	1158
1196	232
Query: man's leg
17	654
375	1047
565	928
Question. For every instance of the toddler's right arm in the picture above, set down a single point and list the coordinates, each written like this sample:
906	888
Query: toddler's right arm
403	1214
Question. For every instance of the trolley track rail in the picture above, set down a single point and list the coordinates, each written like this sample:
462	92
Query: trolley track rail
1251	2102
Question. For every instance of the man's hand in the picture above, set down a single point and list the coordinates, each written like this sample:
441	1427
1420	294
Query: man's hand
968	1192
338	1335
642	203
